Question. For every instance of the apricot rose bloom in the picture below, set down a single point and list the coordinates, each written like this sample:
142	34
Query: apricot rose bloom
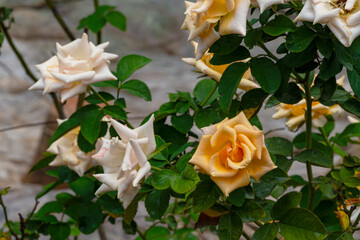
341	16
69	153
202	16
231	152
75	66
216	71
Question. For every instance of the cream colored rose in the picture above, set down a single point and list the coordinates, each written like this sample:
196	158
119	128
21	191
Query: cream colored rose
231	152
69	153
216	71
341	16
75	66
124	161
204	15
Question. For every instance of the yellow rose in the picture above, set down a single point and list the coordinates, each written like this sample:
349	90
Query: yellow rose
231	152
296	113
216	71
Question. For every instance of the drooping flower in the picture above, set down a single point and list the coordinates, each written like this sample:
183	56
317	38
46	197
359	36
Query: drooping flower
124	161
216	71
231	152
341	16
202	16
75	66
69	153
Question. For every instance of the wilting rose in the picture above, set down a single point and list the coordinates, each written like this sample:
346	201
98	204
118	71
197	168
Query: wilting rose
75	66
69	153
203	16
231	152
124	161
342	17
216	71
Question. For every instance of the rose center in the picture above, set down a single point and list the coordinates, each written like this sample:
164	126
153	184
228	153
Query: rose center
235	154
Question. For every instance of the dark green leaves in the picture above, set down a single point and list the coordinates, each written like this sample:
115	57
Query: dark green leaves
226	44
315	157
156	203
129	64
117	19
137	88
279	25
42	163
205	195
202	90
182	123
230	226
301	224
300	39
229	82
280	146
266	73
266	232
251	211
286	202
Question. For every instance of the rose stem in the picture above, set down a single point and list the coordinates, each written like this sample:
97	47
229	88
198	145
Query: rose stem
107	104
98	34
27	69
6	218
60	19
308	117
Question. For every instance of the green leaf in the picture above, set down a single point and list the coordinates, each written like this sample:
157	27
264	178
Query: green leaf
205	195
301	224
266	73
95	23
117	19
50	207
115	111
229	82
129	64
158	233
84	187
94	98
111	204
329	68
266	232
131	210
161	179
47	189
352	105
354	80
206	117
325	46
276	175
59	231
182	123
279	25
63	197
91	125
203	89
226	44
292	94
300	39
186	181
157	202
251	211
43	163
109	83
280	146
315	157
240	53
343	54
73	121
253	36
230	226
252	99
237	197
137	88
286	202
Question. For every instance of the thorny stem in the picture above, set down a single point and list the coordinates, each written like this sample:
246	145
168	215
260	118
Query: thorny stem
98	35
60	19
27	125
308	118
6	218
102	233
27	69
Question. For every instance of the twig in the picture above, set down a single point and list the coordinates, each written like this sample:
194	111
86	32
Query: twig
60	19
22	227
27	125
98	34
6	219
140	234
32	211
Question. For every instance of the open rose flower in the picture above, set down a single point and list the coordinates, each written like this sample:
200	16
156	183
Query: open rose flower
124	161
296	113
231	152
341	16
202	16
69	153
75	66
216	71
